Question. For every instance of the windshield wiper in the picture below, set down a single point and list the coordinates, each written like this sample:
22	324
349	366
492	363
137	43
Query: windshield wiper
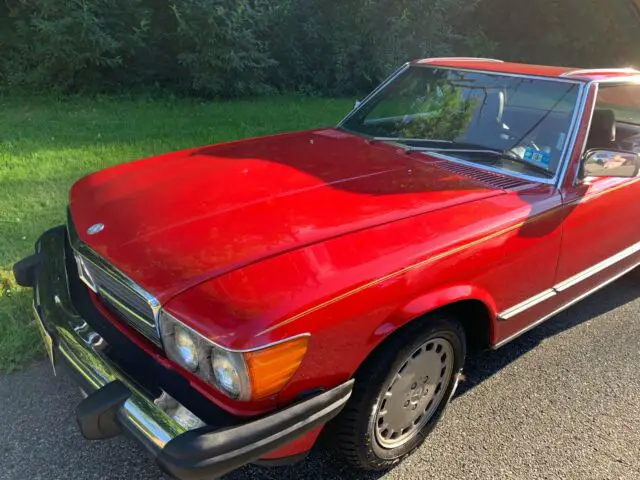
498	154
408	140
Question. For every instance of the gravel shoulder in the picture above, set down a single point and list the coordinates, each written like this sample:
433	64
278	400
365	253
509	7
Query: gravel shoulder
561	402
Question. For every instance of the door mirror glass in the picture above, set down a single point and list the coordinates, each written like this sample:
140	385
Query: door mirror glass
611	163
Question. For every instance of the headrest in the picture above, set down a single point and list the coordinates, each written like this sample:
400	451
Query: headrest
603	129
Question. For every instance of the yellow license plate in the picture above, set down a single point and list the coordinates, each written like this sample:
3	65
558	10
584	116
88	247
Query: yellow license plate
46	339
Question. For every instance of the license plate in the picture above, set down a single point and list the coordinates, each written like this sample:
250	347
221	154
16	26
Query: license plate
46	339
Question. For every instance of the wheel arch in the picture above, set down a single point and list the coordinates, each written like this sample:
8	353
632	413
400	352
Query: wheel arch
472	306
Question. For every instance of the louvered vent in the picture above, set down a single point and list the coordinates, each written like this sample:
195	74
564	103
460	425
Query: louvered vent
491	179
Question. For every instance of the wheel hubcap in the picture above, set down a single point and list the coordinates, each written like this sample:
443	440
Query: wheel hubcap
414	393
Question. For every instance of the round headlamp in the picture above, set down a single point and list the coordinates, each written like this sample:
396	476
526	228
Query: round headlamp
186	348
241	375
225	373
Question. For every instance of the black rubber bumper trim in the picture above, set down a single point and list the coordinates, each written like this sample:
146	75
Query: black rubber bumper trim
25	270
202	453
97	414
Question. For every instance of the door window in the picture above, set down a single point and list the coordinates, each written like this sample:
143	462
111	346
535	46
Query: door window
616	119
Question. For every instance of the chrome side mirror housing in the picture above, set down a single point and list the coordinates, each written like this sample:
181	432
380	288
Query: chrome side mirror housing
610	163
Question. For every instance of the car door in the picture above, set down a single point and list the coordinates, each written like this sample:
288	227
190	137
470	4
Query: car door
601	234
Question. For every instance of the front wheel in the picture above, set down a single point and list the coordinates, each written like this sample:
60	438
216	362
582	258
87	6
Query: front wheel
400	393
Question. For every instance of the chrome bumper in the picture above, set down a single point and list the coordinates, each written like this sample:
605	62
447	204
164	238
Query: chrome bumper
116	403
80	346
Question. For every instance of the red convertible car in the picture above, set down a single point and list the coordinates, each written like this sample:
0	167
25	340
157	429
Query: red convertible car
224	304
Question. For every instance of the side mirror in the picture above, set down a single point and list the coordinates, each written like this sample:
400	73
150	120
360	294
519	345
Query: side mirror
357	104
610	163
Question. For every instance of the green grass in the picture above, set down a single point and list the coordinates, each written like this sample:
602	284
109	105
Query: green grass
46	145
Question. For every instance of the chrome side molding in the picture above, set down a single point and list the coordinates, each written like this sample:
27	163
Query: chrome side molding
528	303
564	307
568	283
597	268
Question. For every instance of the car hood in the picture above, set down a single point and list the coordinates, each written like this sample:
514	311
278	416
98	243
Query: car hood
175	220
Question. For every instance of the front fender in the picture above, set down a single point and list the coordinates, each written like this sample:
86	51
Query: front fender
425	303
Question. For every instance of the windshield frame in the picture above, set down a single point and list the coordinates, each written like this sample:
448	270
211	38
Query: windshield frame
569	145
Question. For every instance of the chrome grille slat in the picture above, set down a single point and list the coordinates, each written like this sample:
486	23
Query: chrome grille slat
121	295
130	317
127	303
104	281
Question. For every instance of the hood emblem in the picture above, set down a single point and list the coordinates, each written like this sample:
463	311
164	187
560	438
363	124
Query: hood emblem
95	228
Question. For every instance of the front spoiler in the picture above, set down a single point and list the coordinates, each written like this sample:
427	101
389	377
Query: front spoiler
115	402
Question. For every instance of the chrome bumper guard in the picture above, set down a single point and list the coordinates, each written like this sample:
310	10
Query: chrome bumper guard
116	403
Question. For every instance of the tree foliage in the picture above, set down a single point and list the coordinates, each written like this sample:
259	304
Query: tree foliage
224	48
581	33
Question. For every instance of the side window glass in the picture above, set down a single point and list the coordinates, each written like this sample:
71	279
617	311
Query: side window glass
616	119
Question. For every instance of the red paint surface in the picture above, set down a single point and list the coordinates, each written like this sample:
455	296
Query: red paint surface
316	232
321	232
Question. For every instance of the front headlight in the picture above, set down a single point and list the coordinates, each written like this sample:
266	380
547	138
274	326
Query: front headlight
186	349
227	375
180	344
246	375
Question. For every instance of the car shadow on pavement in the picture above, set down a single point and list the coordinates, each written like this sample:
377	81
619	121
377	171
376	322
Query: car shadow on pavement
482	365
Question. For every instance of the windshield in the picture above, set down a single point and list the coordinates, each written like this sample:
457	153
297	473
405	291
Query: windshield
462	113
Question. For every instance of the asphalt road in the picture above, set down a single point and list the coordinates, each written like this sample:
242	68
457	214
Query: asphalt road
561	402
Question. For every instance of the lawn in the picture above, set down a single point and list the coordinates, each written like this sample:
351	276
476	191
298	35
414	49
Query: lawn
45	145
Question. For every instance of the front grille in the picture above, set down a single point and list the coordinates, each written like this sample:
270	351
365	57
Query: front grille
120	295
123	297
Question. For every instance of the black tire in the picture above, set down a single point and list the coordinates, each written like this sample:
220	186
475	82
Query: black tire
353	429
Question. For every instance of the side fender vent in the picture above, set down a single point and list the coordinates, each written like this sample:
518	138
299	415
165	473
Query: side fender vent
491	179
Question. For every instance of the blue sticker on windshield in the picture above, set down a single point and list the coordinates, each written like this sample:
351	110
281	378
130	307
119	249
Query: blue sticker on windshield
537	156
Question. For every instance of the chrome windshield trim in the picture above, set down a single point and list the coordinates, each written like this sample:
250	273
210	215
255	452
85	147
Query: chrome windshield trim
579	115
459	59
569	282
576	81
569	143
375	91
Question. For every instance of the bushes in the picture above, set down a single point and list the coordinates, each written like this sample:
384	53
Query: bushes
225	48
68	45
345	47
565	32
221	44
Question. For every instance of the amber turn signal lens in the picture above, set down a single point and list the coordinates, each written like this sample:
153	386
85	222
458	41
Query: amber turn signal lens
271	368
